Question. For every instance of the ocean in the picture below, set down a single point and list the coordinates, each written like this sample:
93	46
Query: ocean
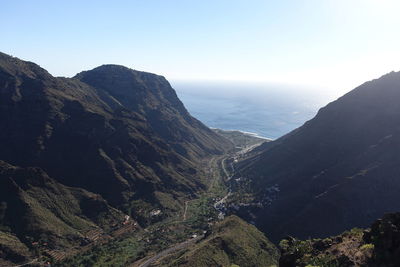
267	110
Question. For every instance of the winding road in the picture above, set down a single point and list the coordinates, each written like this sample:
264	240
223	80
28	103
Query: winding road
185	244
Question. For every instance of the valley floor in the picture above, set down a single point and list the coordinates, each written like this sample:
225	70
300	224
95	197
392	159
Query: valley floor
145	247
196	208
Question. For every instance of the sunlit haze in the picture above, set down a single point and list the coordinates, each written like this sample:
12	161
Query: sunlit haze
335	45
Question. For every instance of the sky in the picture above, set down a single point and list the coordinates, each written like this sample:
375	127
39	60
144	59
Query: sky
334	44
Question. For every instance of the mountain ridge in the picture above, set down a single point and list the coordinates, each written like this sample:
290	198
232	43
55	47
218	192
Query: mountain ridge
335	172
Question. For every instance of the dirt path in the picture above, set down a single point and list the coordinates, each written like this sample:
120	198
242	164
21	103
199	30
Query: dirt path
185	211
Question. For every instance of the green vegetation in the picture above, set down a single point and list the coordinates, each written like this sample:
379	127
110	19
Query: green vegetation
356	232
324	261
115	253
341	250
367	247
231	242
15	250
159	235
200	211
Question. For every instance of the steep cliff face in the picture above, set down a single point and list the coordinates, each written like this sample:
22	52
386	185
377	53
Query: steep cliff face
152	97
339	170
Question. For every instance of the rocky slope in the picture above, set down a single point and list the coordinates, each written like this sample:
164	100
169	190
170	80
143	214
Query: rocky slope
38	212
378	246
111	140
339	170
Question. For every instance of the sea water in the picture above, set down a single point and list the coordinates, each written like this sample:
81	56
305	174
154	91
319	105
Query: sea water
268	110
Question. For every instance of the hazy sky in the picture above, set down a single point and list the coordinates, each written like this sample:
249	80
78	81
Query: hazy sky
334	44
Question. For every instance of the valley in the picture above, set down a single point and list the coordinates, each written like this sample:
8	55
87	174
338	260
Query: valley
177	233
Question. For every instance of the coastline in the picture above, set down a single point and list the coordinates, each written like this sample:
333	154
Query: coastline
256	135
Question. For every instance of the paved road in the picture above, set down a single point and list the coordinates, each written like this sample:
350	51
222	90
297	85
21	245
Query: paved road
224	169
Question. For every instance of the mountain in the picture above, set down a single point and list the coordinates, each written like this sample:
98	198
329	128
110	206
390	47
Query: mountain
232	242
111	141
339	170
